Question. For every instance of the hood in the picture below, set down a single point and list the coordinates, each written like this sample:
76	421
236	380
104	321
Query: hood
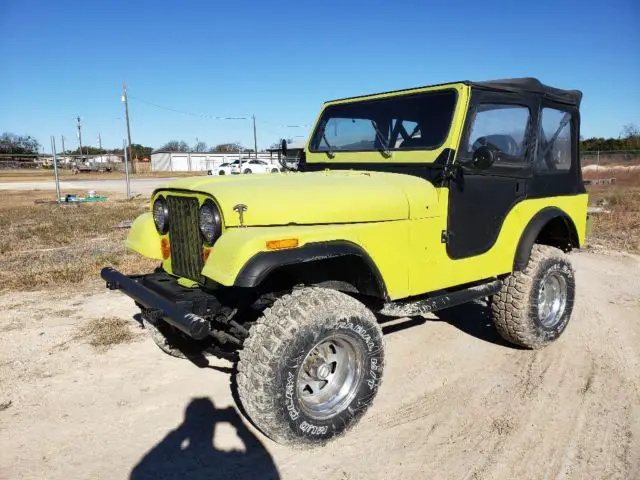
315	197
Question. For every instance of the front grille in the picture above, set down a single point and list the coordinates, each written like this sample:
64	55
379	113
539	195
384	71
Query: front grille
184	237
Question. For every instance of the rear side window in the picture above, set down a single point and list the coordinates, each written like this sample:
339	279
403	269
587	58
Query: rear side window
501	127
554	144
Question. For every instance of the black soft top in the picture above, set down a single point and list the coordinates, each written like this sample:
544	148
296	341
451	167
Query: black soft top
531	85
515	85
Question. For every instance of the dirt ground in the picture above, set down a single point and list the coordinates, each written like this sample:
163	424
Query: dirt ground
456	401
140	186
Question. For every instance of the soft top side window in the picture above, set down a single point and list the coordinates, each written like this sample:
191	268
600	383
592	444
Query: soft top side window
502	127
555	147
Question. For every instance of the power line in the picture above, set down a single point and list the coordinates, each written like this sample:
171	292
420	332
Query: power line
211	117
285	125
184	112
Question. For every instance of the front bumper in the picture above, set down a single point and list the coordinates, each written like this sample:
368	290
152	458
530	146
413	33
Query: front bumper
163	299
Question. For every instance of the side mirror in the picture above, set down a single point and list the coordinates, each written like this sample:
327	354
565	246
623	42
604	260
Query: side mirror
283	148
483	157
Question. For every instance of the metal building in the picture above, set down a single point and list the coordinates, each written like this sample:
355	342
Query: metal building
163	161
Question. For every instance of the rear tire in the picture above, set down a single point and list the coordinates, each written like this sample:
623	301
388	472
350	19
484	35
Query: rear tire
534	306
311	366
247	171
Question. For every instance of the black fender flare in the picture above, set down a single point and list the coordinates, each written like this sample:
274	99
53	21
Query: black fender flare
263	263
533	229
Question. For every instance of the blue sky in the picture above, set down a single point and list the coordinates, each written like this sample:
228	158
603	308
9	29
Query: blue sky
281	60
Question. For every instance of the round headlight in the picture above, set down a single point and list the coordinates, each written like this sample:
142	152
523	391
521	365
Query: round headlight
161	215
210	223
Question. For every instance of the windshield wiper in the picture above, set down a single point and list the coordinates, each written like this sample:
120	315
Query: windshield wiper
385	147
329	150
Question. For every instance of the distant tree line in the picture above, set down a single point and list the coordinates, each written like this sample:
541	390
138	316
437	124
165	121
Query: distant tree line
201	147
137	151
11	143
629	139
18	144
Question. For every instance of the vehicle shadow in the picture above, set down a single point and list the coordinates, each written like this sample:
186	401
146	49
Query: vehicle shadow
473	318
188	452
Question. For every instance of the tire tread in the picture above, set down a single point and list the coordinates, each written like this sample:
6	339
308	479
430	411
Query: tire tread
513	306
279	324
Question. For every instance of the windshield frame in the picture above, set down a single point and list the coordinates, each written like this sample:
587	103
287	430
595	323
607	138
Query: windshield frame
323	117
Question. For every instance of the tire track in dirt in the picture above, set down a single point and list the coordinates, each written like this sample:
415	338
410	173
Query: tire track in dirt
455	403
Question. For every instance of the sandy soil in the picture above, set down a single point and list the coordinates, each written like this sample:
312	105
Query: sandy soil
456	401
611	168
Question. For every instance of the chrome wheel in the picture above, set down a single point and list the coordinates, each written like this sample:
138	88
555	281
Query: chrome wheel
552	299
329	377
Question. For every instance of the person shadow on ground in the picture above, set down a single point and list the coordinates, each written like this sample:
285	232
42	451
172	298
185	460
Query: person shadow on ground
188	452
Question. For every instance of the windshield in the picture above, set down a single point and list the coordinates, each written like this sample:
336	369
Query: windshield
404	122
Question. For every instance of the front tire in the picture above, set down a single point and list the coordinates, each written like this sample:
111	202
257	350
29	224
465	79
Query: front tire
311	366
534	306
247	171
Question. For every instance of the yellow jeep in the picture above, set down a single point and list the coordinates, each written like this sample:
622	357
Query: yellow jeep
405	203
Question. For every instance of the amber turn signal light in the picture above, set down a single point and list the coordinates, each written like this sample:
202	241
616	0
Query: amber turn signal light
205	254
282	244
165	248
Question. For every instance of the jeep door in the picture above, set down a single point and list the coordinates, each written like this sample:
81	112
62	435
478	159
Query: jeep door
480	198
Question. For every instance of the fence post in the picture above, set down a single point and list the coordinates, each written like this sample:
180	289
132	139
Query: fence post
55	168
126	168
598	166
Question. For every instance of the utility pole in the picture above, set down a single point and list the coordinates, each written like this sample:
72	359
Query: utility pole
100	148
255	138
80	137
126	116
62	138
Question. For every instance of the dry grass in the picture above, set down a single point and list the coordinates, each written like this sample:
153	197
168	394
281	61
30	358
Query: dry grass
106	332
626	176
29	175
44	246
620	228
50	245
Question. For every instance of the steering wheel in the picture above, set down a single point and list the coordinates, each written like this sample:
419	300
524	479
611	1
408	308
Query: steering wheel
483	142
511	145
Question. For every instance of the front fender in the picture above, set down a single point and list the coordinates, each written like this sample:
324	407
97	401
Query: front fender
263	263
143	237
383	245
